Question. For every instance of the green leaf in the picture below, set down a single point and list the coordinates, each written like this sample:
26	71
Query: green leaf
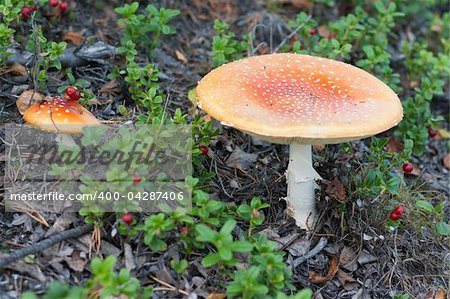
241	246
225	253
425	205
205	233
210	259
443	228
228	227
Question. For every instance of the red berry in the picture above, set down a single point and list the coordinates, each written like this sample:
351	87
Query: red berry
394	216
204	149
127	218
408	167
183	230
432	132
136	179
312	31
63	6
73	93
398	210
53	3
331	35
34	8
26	12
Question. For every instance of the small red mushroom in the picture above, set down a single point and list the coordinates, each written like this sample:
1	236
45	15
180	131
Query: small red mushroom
408	167
56	114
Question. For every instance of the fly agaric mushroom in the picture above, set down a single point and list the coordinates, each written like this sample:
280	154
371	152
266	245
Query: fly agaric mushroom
56	114
299	100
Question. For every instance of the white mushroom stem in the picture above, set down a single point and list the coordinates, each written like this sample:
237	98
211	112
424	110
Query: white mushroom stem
65	139
301	178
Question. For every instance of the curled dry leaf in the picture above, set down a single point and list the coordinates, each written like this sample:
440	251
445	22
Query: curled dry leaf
180	56
347	282
316	278
443	134
216	296
394	146
348	258
112	86
336	190
77	261
241	159
416	170
303	4
73	37
17	69
319	147
435	294
28	98
446	161
130	263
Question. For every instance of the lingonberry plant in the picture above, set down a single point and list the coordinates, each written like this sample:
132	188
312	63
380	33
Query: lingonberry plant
147	26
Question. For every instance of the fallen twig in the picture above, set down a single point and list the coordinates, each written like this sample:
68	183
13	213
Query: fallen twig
72	57
42	245
318	248
294	32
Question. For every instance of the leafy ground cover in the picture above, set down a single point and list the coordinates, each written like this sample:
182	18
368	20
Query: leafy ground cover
383	227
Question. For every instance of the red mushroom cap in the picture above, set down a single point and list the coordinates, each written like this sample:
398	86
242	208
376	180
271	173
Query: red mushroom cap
294	98
59	115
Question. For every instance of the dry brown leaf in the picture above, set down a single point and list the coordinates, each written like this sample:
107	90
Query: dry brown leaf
394	146
73	37
347	259
111	87
347	282
27	98
130	263
299	247
61	223
336	190
31	270
440	294
216	296
77	261
446	161
323	31
319	147
316	278
17	70
416	170
443	134
303	4
365	258
180	56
